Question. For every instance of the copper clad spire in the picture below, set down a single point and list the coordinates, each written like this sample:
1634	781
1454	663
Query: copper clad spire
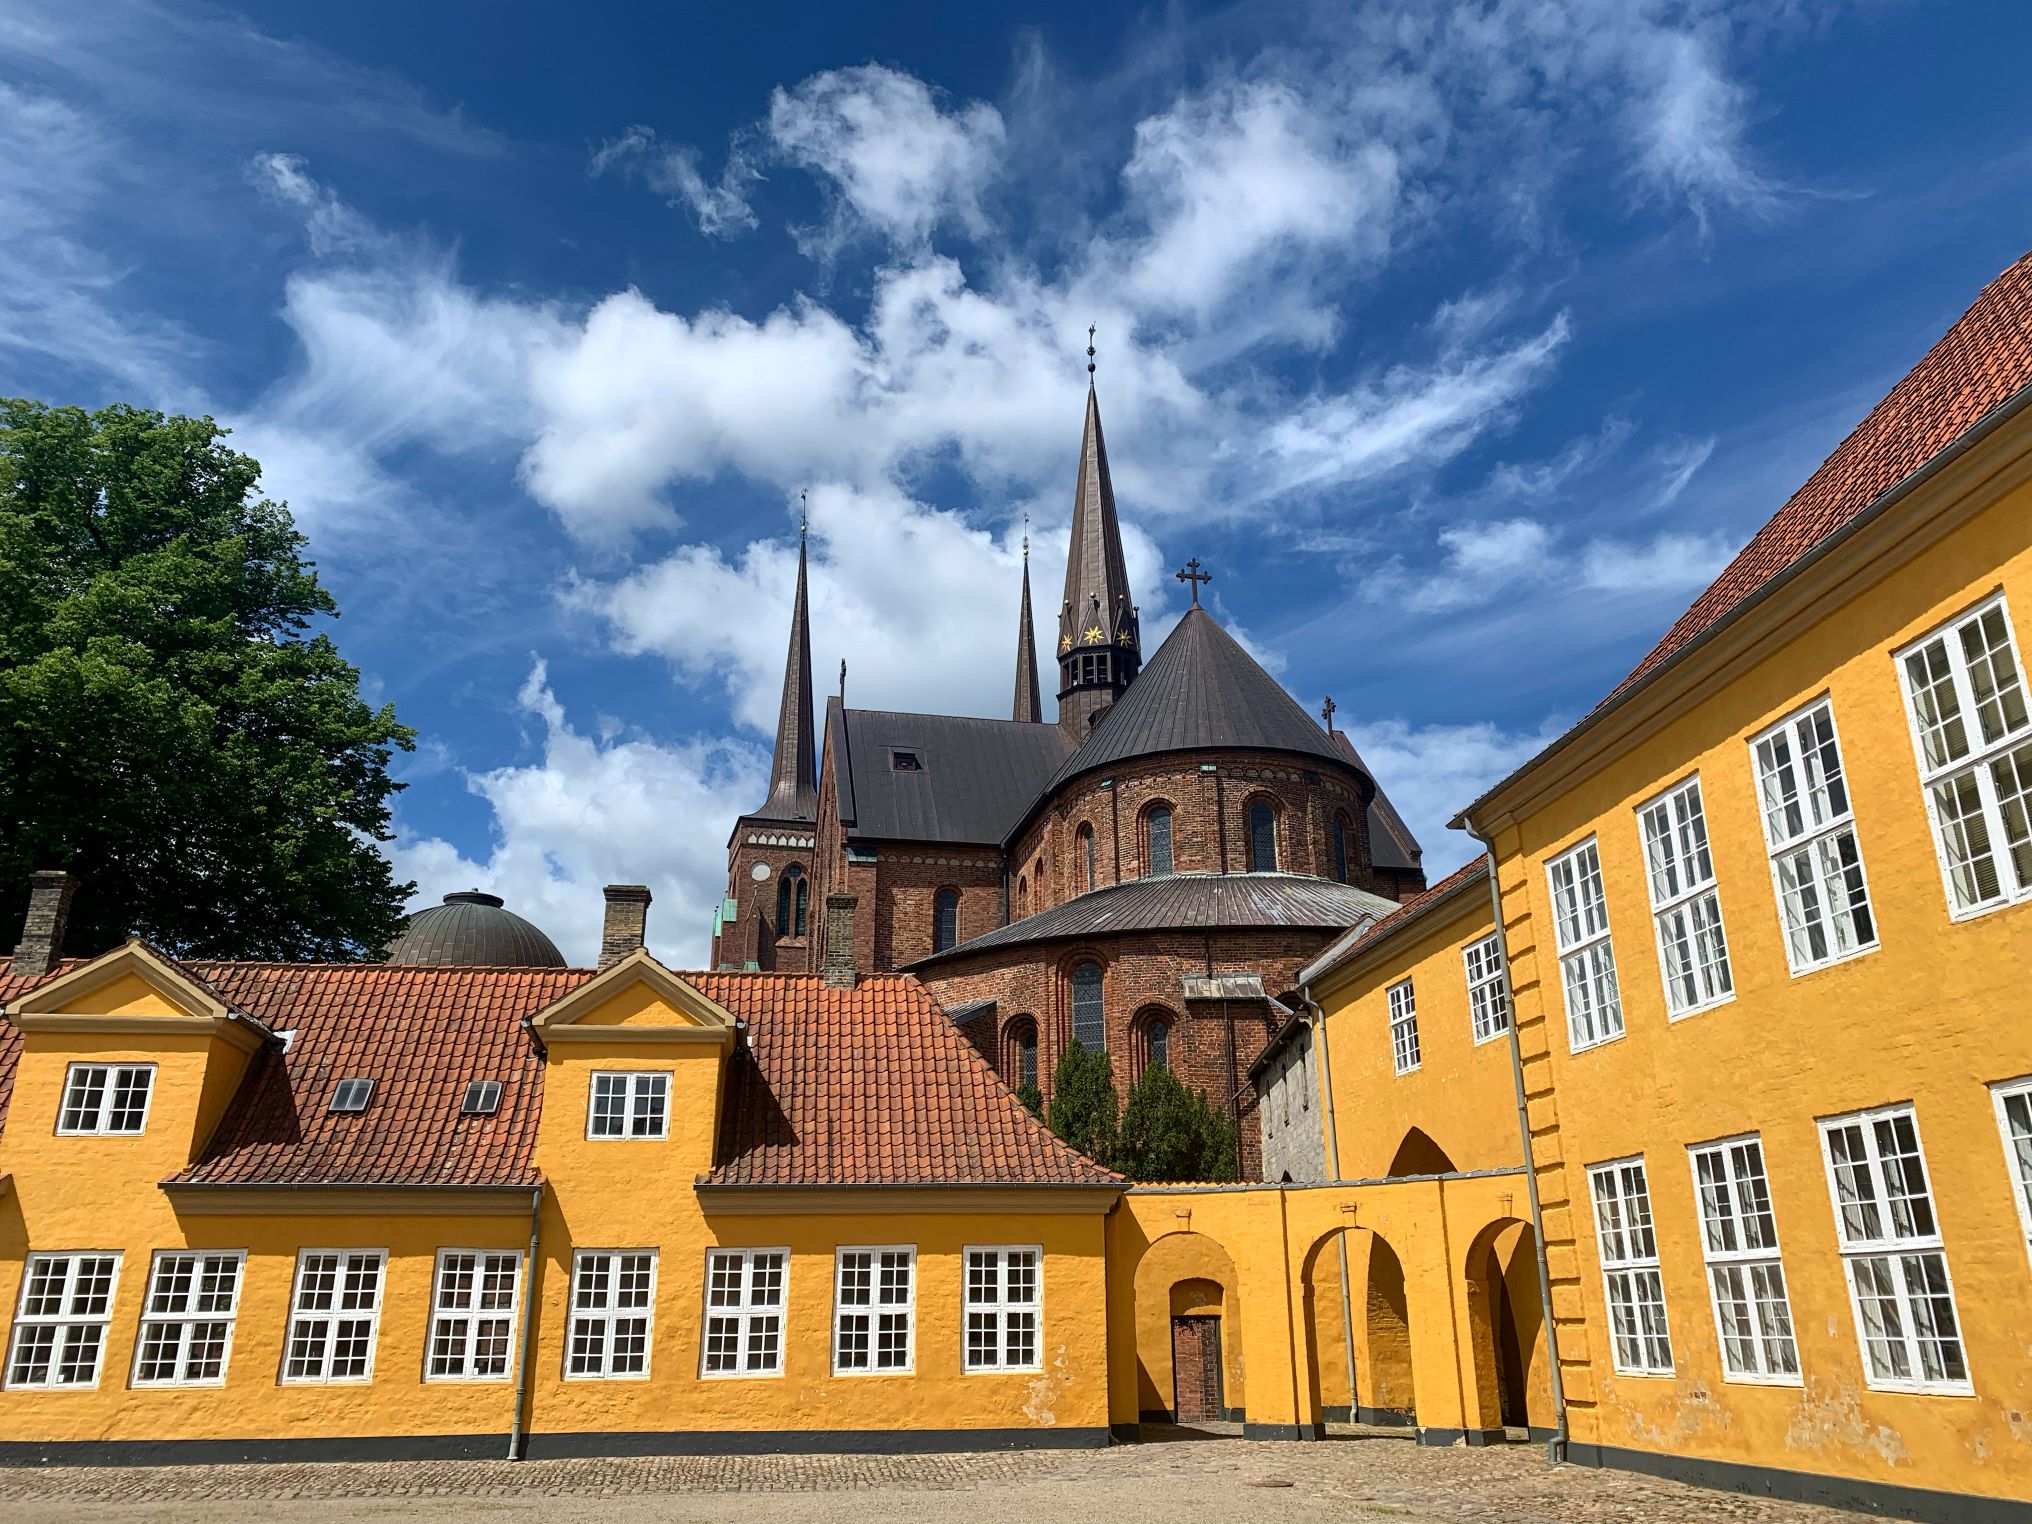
1100	643
793	779
1029	704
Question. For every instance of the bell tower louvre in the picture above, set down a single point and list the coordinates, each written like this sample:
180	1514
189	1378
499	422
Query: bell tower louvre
1100	640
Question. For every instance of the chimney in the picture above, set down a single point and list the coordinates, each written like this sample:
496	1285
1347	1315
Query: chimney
837	967
42	933
627	917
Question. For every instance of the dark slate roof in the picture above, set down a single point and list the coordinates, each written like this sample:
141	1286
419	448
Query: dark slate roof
471	930
1187	899
1391	844
1360	939
1201	690
975	778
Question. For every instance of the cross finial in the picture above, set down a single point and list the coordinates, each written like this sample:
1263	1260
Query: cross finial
843	679
1326	712
1090	349
1193	577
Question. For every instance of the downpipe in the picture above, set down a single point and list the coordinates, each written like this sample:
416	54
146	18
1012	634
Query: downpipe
528	1326
1316	1019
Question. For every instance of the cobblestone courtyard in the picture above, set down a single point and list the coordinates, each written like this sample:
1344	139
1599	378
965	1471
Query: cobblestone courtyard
1356	1476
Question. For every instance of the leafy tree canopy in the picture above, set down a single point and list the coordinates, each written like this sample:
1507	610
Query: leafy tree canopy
170	731
1171	1133
1083	1105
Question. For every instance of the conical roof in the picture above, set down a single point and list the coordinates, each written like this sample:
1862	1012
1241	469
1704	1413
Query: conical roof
1200	691
793	775
1029	703
472	930
1096	610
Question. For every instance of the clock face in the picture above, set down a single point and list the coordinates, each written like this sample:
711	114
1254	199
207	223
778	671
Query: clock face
759	872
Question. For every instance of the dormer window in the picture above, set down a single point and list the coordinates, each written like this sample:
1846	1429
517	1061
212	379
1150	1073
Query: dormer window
352	1095
105	1100
906	762
483	1099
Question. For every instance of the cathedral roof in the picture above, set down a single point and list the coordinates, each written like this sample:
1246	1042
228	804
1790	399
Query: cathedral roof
473	930
1187	900
937	777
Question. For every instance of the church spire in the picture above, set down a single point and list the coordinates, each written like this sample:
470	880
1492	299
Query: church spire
1100	644
793	779
1029	705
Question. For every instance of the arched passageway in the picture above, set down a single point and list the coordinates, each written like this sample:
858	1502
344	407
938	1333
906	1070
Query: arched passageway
1506	1330
1188	1332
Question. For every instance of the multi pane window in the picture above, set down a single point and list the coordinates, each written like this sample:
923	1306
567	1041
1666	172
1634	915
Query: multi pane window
106	1098
1488	1007
1640	1338
1024	1040
874	1304
1338	841
1262	837
1086	853
945	919
335	1312
1003	1290
792	896
629	1105
473	1314
1973	733
187	1321
1157	1043
1157	832
1816	865
1089	1023
613	1299
1746	1278
60	1322
744	1312
1403	1027
1693	951
1587	957
2014	1120
1890	1241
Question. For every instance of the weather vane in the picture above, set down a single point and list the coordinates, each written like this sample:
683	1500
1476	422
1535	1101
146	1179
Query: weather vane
1193	576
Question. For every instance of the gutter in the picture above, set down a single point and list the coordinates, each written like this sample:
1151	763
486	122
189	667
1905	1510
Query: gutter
528	1325
1333	1165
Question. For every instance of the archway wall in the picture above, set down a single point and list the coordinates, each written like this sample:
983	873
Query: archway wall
1273	1242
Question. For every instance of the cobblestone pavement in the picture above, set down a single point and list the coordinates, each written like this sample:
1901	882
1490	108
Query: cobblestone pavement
1358	1475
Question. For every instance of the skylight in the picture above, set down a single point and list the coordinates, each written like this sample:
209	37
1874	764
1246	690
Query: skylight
352	1095
483	1098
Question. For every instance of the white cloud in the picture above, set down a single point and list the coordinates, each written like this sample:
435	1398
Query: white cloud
1481	562
1671	563
1431	771
672	171
1688	118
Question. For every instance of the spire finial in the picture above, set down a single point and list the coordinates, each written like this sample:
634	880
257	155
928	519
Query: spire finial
1090	350
843	679
1326	712
1026	536
803	514
1193	577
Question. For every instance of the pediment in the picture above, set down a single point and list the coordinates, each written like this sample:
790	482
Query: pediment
636	999
131	988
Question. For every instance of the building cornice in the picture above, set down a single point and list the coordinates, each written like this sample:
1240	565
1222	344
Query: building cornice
928	1199
314	1199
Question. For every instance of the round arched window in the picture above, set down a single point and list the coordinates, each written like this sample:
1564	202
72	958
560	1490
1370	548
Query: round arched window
1157	1043
1262	837
791	900
945	919
1340	848
1157	841
1089	1022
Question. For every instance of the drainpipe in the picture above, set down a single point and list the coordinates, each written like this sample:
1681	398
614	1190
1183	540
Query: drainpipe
1317	1021
528	1325
1555	1449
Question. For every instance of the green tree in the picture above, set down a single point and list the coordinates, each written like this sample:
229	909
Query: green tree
1171	1133
1033	1098
170	730
1083	1104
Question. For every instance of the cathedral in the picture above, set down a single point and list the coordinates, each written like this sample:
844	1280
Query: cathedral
1146	874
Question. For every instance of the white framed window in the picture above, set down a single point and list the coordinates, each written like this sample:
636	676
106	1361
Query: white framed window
1005	1288
60	1321
2014	1120
105	1100
1891	1246
1403	1027
613	1307
744	1312
628	1104
334	1315
472	1317
187	1321
874	1309
1972	732
1640	1338
1587	956
1693	950
1488	1008
1810	831
1745	1276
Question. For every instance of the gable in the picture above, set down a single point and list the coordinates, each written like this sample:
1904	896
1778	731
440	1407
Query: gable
639	997
132	989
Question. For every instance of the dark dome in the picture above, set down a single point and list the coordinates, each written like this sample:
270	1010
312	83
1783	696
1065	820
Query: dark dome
471	930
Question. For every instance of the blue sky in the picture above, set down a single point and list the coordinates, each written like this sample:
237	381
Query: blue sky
1464	344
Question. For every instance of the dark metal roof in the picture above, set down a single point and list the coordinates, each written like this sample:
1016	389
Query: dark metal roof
472	930
973	779
1201	690
793	781
1188	899
1096	609
1391	844
1360	939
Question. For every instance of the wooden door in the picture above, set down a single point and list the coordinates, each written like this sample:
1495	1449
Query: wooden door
1196	1369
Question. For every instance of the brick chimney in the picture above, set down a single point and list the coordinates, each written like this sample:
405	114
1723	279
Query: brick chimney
627	920
42	933
837	966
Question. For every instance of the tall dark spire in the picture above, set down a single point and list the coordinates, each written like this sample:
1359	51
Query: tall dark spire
1100	644
1029	703
793	779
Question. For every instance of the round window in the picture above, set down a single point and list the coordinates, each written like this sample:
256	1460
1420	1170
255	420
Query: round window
759	872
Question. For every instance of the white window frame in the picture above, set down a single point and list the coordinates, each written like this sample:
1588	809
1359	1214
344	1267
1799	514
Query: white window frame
1977	761
873	1310
1810	855
349	1260
990	1304
1729	1211
608	1313
1488	1000
102	1111
2017	1157
72	1326
635	1086
176	1319
1894	1252
1404	1051
1587	951
1686	908
755	1306
459	1315
1628	1250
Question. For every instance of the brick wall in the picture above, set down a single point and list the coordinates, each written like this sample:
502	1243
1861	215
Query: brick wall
755	936
908	876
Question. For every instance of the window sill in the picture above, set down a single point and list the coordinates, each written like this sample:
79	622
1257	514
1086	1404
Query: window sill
1921	1389
1977	912
740	1375
1781	1383
1802	970
589	1379
1703	1008
1600	1042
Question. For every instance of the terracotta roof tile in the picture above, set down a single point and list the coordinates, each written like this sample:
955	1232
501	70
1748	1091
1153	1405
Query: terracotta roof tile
10	1034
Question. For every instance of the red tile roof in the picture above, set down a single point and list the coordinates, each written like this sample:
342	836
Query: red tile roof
10	1034
871	1086
1979	364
